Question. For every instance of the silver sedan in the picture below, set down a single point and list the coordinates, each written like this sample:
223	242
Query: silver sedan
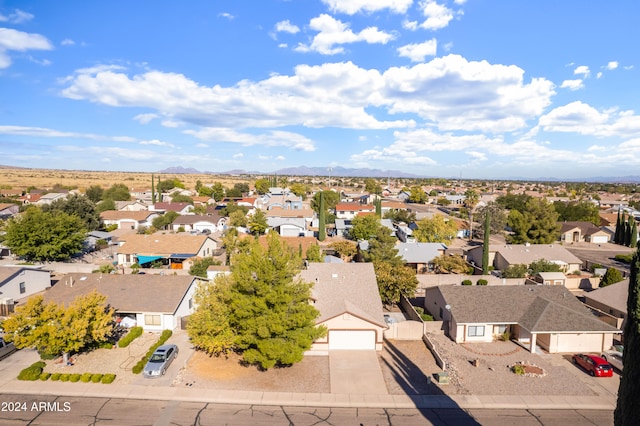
160	361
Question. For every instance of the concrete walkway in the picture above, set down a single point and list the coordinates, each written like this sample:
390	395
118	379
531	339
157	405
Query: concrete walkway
356	372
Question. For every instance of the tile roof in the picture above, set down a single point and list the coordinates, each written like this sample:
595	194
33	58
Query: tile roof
539	308
126	293
162	244
345	288
354	207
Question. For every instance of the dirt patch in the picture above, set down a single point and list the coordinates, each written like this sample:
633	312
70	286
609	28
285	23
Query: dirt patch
311	375
408	368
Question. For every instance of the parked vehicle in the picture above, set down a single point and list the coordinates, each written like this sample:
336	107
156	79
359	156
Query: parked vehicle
160	361
594	365
614	357
6	348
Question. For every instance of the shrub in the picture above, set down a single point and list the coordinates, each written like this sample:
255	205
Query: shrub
95	378
45	376
466	282
55	377
624	258
64	377
133	334
32	372
505	336
74	377
108	378
518	369
85	378
482	281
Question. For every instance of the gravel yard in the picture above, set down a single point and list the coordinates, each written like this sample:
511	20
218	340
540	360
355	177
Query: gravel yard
492	376
405	365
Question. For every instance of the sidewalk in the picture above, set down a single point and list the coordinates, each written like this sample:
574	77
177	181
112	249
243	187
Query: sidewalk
168	393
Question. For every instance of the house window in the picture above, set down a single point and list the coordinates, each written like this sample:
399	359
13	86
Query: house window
502	329
23	288
475	331
152	320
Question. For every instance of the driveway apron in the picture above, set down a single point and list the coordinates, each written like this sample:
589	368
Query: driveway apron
356	372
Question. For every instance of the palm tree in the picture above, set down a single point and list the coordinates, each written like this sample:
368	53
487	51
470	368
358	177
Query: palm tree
470	202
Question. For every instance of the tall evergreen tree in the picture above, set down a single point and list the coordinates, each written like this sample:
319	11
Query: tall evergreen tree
485	249
378	204
616	237
322	233
633	242
628	410
153	190
630	222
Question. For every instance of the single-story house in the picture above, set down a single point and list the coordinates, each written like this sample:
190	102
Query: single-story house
550	278
8	210
546	316
20	282
94	236
419	256
351	210
343	226
582	232
156	302
180	208
170	249
51	197
611	300
503	256
198	223
131	206
290	223
346	294
128	219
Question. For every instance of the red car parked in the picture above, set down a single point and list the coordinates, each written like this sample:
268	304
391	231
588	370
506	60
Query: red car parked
595	365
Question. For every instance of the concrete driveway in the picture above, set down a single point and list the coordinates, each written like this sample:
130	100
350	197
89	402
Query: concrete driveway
185	351
356	372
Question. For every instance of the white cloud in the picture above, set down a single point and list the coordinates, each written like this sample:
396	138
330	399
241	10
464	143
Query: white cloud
582	70
599	74
612	65
17	17
410	25
145	118
572	84
271	138
226	15
238	155
286	27
156	142
418	51
438	15
280	158
43	132
14	40
67	42
263	157
332	32
283	45
351	7
628	67
172	124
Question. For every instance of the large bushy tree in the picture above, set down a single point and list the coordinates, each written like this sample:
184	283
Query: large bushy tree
199	266
45	236
78	205
537	224
117	192
265	308
364	227
394	281
577	211
627	410
435	230
331	198
257	222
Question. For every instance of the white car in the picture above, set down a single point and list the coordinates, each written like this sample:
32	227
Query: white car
613	357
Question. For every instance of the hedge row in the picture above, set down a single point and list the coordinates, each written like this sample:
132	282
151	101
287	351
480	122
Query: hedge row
33	371
133	334
137	369
84	378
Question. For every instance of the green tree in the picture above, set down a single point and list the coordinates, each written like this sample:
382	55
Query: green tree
470	201
513	201
543	265
218	191
78	205
232	207
262	186
345	249
435	230
199	266
322	233
577	211
45	236
497	218
630	222
451	264
364	227
382	248
372	186
299	189
314	254
331	198
486	246
417	195
169	184
394	281
162	222
179	198
268	307
617	236
153	190
515	271
117	192
538	224
257	222
633	242
400	215
627	409
238	218
612	276
94	193
105	205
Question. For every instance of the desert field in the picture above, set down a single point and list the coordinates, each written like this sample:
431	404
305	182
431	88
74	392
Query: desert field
20	179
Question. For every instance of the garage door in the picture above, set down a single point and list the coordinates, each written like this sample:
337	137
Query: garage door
352	340
599	239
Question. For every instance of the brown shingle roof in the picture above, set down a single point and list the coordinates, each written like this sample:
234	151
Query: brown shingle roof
126	293
138	216
162	244
345	288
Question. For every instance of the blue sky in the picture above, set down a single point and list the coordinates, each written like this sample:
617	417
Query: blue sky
472	88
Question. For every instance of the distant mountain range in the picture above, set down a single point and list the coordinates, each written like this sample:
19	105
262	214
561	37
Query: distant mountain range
302	171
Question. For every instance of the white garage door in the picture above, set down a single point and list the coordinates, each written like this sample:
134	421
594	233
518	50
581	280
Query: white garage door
599	239
352	340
